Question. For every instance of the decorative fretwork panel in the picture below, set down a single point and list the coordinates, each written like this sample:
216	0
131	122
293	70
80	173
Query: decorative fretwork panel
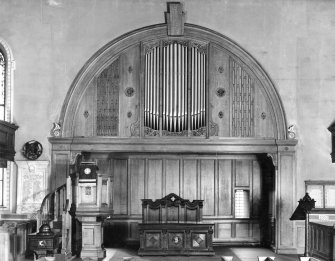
175	88
242	101
108	85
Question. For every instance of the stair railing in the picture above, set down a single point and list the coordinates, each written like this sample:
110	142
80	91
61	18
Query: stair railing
52	206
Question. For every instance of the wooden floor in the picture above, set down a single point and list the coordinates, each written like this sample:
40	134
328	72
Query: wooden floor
238	253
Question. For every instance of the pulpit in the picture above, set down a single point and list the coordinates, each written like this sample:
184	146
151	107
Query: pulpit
92	205
173	226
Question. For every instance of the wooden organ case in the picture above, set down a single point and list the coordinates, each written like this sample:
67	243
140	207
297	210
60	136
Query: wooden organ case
172	226
178	108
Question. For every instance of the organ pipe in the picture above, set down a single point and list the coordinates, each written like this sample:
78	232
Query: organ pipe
167	70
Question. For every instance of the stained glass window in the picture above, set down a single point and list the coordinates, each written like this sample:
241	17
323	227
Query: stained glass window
2	86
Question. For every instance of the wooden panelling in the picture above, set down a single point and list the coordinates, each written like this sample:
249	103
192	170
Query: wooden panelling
129	89
242	173
242	229
61	163
134	230
108	104
219	90
120	195
242	100
263	115
105	167
85	122
155	179
7	141
190	179
136	175
225	187
207	186
172	177
211	179
256	188
256	231
224	230
286	209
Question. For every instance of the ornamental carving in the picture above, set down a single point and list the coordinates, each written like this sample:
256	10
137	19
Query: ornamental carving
108	85
220	92
135	128
242	101
56	130
130	91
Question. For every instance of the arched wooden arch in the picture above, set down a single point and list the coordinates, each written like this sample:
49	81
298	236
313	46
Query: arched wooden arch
107	54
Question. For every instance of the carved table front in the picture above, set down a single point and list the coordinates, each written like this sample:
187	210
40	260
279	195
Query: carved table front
176	239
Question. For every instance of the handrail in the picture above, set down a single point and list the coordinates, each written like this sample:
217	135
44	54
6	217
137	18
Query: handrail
50	194
51	205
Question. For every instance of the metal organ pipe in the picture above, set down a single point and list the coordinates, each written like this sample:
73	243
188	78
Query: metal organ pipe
166	95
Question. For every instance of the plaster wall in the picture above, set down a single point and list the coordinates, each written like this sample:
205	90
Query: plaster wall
293	40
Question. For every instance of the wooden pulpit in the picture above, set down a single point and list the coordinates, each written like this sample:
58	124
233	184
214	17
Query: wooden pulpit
92	206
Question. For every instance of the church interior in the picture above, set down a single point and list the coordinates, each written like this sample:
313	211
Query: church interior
191	130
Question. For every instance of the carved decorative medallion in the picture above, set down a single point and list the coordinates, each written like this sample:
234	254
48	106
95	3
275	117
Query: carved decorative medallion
86	114
129	91
220	92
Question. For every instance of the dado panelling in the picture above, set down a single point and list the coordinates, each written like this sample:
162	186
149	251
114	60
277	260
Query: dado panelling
212	179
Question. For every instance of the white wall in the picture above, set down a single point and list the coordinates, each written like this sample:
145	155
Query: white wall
293	40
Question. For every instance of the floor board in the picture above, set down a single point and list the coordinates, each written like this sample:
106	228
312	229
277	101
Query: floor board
238	253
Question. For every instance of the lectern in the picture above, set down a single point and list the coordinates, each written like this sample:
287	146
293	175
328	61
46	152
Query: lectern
306	204
92	192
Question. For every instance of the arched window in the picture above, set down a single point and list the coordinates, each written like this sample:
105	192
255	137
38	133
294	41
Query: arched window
6	84
6	81
2	86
